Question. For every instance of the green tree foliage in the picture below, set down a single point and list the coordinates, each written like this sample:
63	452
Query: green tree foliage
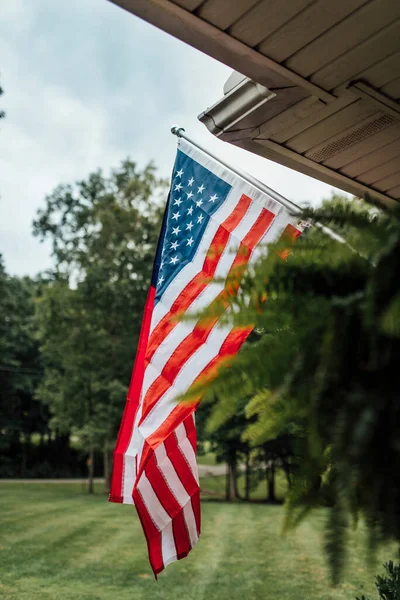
20	414
103	232
324	368
388	585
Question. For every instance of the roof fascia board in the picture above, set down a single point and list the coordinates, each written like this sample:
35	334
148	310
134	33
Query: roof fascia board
291	159
189	28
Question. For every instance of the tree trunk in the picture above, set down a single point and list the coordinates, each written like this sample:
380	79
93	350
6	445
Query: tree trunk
228	483
247	484
107	471
286	470
235	480
233	492
25	451
90	464
271	482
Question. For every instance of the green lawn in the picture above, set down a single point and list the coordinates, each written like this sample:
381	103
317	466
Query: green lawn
56	542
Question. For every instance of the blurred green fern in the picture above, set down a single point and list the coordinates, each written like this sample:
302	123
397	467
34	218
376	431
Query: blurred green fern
323	366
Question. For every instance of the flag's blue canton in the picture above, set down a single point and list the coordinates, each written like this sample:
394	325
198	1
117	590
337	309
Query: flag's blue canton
195	195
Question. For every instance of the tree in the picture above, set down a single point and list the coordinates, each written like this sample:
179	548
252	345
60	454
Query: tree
324	368
225	440
20	414
103	232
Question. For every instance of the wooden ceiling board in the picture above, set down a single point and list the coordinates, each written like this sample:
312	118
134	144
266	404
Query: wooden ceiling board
336	123
344	36
382	72
188	4
363	148
384	169
292	130
388	183
306	26
349	137
216	12
373	161
265	18
291	116
392	89
366	54
395	192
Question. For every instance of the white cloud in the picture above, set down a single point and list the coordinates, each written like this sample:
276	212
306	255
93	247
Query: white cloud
87	84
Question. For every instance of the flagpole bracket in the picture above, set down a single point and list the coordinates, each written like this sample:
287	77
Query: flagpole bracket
178	131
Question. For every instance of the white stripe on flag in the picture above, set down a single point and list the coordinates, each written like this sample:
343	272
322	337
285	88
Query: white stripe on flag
170	475
188	373
157	512
168	545
128	477
187	450
190	521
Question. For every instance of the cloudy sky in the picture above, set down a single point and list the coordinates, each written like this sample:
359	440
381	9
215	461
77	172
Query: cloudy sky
86	84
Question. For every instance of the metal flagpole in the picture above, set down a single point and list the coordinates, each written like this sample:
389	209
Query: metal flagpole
293	208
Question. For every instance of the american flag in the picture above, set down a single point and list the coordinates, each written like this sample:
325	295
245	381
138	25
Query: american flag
213	227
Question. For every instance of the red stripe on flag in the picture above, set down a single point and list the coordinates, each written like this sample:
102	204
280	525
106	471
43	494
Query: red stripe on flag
153	535
180	464
180	412
160	487
196	338
132	402
190	428
259	228
202	279
181	536
290	233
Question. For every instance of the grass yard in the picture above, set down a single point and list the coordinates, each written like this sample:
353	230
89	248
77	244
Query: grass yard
57	543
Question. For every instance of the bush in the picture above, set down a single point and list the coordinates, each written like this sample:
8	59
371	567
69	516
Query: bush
388	586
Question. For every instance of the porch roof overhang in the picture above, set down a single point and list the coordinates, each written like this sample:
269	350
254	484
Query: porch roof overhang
320	91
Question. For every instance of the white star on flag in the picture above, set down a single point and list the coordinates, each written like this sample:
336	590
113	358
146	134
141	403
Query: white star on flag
178	187
189	226
189	242
176	230
174	260
190	182
200	219
160	280
190	210
179	173
189	195
200	189
213	198
176	215
178	202
199	203
174	245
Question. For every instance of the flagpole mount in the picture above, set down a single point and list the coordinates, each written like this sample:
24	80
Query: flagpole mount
178	131
293	208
